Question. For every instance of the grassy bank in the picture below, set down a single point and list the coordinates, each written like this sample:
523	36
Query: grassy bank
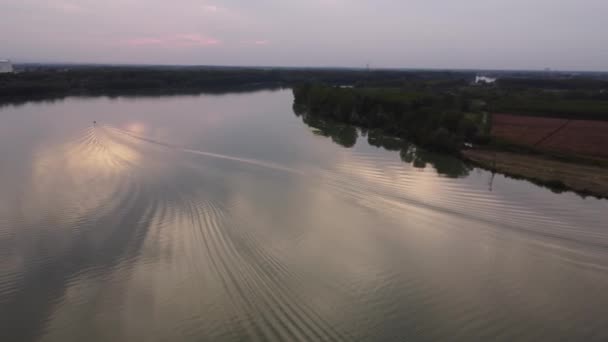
559	176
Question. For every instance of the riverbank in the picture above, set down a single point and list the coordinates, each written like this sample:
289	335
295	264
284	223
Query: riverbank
561	154
586	180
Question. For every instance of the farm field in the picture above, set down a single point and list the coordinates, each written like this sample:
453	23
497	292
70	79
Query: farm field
582	137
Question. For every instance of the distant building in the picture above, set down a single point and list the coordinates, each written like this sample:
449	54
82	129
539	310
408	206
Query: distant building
484	80
5	66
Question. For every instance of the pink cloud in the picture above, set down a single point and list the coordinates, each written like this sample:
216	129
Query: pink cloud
213	8
66	6
258	42
144	41
178	40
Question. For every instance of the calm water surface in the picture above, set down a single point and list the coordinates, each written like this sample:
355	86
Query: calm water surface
229	218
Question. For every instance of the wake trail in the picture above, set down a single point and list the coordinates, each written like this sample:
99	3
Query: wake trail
355	189
207	154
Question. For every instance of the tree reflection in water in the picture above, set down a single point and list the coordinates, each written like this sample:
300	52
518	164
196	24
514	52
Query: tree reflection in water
341	134
346	135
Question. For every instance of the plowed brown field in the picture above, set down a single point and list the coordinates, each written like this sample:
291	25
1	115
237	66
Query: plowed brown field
583	137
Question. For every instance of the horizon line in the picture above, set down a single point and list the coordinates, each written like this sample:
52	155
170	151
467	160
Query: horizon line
435	69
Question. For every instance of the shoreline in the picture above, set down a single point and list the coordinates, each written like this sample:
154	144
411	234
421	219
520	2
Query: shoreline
559	176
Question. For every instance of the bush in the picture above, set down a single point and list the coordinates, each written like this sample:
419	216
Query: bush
443	140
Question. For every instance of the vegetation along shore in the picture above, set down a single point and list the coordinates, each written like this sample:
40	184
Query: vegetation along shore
555	134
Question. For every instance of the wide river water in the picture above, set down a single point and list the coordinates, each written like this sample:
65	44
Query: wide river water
230	218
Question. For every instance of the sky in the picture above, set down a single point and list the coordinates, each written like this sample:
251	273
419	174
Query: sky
460	34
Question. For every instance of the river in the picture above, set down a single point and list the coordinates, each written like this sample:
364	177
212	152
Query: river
230	218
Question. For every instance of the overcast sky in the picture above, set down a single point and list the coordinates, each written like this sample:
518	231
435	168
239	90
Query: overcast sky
503	34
